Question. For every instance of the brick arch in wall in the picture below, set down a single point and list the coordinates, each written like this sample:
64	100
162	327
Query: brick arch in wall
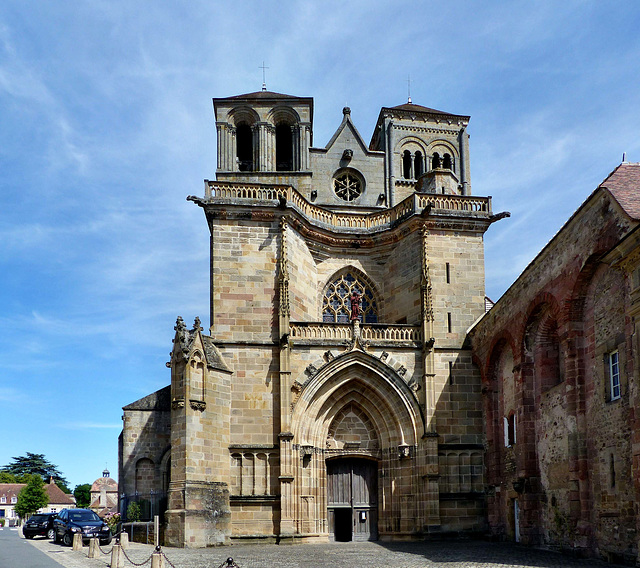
541	345
366	383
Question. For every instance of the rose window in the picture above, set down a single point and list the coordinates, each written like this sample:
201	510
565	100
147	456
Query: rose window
336	302
347	186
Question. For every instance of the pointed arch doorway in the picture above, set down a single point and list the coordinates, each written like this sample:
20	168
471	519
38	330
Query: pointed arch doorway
352	498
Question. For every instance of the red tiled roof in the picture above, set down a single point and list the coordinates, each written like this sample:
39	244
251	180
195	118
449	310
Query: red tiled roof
9	490
624	185
57	496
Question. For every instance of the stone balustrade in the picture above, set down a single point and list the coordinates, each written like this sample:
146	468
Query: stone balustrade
309	332
414	204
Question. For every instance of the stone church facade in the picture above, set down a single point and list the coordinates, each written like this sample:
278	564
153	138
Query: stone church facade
333	396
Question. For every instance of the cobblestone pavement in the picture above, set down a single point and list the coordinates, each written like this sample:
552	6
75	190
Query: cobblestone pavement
450	554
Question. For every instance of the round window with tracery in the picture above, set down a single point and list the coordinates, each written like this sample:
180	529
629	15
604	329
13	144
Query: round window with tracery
347	185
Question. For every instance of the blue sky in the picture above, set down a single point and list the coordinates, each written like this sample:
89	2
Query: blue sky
106	125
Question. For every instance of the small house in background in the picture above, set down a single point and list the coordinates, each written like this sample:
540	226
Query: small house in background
9	492
104	495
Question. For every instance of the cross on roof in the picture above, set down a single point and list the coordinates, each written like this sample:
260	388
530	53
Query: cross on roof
264	82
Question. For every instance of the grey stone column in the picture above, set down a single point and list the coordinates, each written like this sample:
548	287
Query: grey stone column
463	142
392	177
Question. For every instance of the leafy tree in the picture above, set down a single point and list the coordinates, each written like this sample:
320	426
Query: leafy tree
7	477
82	493
32	497
36	464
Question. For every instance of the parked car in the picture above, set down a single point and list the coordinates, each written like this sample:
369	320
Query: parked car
80	521
40	524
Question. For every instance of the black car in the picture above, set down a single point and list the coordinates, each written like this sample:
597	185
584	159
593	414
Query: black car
40	524
81	521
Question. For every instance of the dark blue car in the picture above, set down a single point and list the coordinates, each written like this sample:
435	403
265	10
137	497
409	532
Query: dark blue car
80	521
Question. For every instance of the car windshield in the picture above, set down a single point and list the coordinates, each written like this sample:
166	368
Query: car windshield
39	518
83	516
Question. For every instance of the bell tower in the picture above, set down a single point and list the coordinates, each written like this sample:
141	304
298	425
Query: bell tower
426	150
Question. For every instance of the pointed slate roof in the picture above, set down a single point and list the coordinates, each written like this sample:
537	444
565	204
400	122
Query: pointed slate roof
184	342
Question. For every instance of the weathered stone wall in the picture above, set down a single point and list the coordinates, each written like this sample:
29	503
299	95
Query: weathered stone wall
146	435
541	350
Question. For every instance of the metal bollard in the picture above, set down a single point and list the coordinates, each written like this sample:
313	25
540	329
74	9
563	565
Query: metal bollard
94	551
77	541
157	559
117	556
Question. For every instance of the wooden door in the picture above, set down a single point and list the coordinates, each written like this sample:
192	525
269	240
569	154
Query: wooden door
352	496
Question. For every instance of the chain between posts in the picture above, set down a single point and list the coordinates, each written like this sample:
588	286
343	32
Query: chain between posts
228	563
134	563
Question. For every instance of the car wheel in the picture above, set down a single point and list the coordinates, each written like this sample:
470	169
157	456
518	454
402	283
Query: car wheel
106	542
67	540
51	534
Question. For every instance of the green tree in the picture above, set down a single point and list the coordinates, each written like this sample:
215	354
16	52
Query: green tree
7	477
82	493
32	497
36	464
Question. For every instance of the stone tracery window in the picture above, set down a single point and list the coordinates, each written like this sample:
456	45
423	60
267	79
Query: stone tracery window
336	307
347	185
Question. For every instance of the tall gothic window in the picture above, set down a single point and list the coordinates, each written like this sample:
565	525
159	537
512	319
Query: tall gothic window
336	304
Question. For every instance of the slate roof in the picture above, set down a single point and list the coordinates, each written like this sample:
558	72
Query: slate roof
159	400
624	185
263	95
411	107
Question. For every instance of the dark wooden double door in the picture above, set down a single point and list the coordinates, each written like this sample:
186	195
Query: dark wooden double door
352	499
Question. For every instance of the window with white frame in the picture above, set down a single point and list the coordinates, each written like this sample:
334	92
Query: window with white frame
14	499
614	375
3	499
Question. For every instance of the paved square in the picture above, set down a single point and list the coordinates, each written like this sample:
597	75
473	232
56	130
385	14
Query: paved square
450	554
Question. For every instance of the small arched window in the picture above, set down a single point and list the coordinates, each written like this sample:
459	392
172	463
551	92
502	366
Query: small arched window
284	148
418	165
406	164
446	162
244	146
435	161
336	306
